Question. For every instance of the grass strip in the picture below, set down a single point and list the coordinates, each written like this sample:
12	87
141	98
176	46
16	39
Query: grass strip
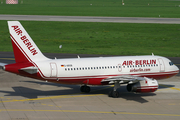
99	38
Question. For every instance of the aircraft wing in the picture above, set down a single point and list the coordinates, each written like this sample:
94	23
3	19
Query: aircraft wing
124	79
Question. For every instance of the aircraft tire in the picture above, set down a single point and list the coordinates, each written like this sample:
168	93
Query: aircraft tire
82	88
110	94
115	94
85	89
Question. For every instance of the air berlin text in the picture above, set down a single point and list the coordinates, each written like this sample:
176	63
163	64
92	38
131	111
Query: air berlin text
25	40
139	62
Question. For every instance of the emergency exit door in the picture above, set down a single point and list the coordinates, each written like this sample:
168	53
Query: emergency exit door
53	69
162	66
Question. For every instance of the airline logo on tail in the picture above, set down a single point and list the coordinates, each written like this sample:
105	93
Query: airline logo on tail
25	40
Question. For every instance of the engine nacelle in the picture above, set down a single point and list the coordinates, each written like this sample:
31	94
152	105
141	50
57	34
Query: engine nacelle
145	86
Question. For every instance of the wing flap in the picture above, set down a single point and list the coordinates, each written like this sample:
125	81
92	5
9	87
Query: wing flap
123	79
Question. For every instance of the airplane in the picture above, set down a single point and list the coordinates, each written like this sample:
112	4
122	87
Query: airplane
140	73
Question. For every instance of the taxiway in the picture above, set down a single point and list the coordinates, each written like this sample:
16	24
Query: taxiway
91	19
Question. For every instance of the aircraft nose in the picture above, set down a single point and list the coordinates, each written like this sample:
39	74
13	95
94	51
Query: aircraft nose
176	68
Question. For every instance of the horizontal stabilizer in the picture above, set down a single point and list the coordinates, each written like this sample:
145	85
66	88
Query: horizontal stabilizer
2	65
30	70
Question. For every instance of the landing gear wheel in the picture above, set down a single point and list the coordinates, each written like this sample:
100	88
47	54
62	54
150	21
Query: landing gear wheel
82	88
85	89
110	94
115	94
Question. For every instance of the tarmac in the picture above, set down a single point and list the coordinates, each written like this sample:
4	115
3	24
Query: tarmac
24	98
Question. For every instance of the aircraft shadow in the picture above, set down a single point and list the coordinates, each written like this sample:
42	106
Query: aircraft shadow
75	89
163	86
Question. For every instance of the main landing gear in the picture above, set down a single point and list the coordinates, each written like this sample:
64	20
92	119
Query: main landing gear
85	89
113	93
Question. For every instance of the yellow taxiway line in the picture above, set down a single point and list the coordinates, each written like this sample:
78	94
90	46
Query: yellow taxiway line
54	97
170	87
60	96
76	111
7	58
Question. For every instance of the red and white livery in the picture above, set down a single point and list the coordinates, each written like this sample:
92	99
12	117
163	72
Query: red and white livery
138	72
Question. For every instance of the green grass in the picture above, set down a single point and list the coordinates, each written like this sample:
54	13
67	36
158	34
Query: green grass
132	8
100	38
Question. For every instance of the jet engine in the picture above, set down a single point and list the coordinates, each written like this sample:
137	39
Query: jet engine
144	86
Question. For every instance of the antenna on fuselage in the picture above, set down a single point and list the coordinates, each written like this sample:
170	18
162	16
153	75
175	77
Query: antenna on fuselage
152	54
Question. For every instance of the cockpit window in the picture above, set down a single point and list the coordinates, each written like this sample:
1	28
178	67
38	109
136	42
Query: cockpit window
171	63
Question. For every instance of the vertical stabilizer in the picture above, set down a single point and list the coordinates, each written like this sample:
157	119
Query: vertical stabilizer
25	50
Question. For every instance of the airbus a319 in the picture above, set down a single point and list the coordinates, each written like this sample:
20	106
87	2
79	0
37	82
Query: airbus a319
140	73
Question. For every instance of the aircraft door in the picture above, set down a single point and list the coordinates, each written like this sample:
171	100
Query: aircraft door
162	66
53	69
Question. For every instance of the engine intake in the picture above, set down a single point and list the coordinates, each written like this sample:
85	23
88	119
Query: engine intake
145	86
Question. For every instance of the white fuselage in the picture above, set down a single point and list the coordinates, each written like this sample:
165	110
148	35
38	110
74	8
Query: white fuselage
86	68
